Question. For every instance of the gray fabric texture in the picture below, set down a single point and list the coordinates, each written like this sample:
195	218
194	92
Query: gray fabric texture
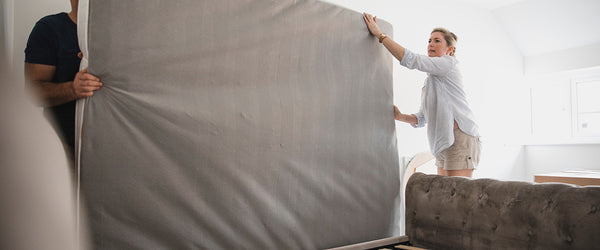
459	213
237	125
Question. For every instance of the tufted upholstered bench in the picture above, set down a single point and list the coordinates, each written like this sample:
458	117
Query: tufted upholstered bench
460	213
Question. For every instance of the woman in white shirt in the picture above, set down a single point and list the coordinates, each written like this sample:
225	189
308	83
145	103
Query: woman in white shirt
452	132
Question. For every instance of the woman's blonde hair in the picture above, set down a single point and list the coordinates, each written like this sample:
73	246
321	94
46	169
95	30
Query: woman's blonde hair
450	38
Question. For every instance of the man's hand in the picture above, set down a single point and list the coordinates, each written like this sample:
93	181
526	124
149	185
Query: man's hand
85	84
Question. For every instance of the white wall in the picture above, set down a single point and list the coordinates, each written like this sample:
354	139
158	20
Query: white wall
559	39
555	158
552	147
26	14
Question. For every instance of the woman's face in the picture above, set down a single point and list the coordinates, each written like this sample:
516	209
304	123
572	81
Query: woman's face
438	46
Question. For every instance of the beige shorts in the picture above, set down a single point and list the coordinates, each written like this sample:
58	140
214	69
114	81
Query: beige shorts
463	154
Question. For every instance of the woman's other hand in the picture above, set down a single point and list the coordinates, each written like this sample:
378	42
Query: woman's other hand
397	113
371	22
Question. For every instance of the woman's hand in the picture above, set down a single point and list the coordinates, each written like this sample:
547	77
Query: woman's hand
397	113
410	119
371	22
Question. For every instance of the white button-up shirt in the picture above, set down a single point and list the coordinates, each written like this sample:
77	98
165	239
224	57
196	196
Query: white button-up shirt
443	100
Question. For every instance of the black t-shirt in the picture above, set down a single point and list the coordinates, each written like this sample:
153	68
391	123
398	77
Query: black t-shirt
53	41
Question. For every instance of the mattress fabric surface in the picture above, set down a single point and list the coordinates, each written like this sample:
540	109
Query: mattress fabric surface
236	125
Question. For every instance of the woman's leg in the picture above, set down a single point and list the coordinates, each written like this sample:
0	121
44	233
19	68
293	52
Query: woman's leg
462	157
460	172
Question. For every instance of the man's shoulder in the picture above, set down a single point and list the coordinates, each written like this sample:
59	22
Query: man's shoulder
54	18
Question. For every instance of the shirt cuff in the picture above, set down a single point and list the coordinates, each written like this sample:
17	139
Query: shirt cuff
420	120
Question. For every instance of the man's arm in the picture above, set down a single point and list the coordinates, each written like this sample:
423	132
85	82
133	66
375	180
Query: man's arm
38	79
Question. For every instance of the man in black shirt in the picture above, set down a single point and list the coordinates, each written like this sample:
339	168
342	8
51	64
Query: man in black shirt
52	58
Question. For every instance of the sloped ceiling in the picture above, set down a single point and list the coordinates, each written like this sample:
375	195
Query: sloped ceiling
544	26
491	4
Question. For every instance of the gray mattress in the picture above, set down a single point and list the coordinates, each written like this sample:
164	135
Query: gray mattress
236	125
